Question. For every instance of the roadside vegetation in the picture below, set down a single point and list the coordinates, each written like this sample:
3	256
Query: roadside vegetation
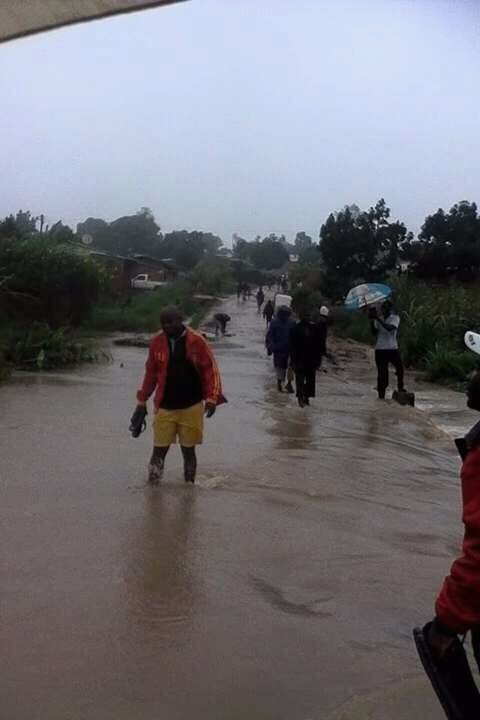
141	312
54	296
435	281
434	319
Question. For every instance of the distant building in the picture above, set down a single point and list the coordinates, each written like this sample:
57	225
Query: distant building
123	269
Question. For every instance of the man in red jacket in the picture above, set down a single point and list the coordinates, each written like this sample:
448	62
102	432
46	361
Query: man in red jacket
457	607
182	371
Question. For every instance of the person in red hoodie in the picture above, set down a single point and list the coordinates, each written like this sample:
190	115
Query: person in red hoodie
457	607
183	373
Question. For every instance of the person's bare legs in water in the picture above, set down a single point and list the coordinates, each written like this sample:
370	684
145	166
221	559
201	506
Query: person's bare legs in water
157	464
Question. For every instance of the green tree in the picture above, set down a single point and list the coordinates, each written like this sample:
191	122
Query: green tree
270	254
127	235
302	242
61	233
358	247
26	224
187	249
45	281
448	245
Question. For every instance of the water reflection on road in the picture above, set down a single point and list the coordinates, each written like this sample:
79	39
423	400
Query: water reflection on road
159	577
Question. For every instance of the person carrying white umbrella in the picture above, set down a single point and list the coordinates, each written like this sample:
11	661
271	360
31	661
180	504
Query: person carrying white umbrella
385	328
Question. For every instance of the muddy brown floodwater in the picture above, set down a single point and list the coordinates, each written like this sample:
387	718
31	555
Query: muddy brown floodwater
284	585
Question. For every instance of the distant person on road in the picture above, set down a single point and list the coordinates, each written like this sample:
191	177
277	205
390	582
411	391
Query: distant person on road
260	299
385	328
306	352
268	312
278	342
322	330
182	371
221	320
457	607
239	291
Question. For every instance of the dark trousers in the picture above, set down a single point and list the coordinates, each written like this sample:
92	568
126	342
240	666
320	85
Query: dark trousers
305	382
382	359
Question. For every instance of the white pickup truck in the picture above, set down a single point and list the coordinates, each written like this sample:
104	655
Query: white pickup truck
143	282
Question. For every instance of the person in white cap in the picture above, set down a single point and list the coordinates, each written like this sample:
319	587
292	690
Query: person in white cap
322	329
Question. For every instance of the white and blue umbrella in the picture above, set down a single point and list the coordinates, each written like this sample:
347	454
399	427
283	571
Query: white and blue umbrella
366	294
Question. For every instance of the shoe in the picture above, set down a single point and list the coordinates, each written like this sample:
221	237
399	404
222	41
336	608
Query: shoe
306	401
279	386
189	474
301	402
155	473
289	387
450	676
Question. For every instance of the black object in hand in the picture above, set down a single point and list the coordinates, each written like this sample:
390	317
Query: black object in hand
137	421
462	448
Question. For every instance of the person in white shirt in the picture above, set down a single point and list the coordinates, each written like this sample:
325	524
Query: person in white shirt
385	329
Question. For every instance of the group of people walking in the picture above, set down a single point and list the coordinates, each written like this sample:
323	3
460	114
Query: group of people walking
298	346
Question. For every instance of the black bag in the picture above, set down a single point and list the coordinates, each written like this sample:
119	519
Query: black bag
403	397
461	445
137	421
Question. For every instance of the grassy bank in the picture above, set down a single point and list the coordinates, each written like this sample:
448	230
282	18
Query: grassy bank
141	312
434	320
39	347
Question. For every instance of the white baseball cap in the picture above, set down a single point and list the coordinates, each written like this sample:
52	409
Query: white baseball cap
324	311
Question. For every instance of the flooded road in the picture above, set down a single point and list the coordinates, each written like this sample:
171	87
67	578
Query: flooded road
283	585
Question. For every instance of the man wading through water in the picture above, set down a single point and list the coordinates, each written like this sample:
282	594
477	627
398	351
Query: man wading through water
457	607
385	329
182	370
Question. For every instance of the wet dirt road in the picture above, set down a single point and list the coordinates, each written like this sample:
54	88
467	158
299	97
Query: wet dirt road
284	585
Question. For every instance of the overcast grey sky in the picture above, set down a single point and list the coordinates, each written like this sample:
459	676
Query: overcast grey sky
247	116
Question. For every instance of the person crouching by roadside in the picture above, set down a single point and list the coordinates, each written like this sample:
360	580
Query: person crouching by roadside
221	320
184	375
457	607
277	342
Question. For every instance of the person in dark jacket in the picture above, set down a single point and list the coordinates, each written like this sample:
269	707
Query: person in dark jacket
457	607
305	356
260	299
268	312
278	342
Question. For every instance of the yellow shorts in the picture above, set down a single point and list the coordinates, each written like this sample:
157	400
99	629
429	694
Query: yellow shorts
187	424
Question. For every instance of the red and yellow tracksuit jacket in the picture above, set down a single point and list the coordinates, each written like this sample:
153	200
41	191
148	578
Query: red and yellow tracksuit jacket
198	353
458	603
